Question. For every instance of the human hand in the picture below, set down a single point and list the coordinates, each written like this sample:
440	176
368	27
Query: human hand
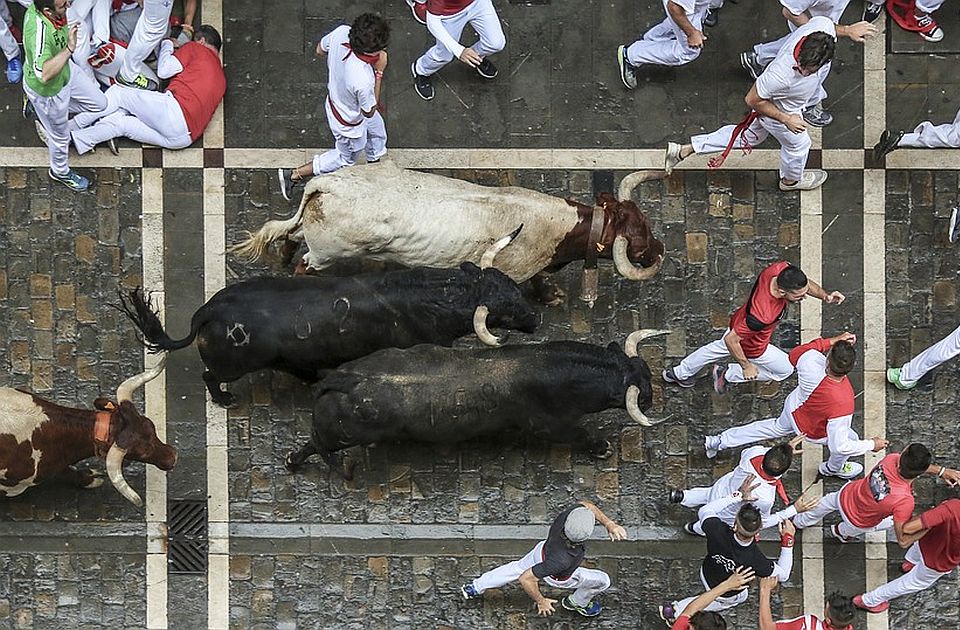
696	40
545	607
880	443
796	124
860	31
750	372
805	503
616	531
952	477
747	488
849	337
797	443
470	57
381	61
72	36
834	297
787	527
739	578
768	584
320	52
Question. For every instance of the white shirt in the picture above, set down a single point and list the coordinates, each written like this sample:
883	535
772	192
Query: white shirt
832	9
781	84
690	7
349	85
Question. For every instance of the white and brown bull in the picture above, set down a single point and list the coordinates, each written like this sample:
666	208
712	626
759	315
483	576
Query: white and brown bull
385	213
40	440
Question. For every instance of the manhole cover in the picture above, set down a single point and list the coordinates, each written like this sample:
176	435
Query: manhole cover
187	530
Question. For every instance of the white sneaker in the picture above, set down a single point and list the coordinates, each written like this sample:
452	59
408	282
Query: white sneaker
850	470
671	157
810	180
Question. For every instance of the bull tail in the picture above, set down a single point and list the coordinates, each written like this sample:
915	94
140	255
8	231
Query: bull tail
139	308
252	249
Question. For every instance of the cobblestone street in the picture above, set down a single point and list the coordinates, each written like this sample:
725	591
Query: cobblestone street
391	547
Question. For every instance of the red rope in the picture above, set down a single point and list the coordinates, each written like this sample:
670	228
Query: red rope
717	162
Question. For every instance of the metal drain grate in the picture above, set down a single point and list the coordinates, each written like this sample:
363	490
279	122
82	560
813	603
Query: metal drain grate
187	531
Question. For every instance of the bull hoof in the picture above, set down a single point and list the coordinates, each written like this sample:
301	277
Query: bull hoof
225	400
602	450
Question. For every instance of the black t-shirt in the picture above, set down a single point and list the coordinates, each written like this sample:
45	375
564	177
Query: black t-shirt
560	557
725	554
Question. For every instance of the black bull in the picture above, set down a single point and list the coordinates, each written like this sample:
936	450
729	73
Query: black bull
304	324
443	395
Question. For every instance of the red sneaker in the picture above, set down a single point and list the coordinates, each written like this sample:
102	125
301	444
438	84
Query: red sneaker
907	567
17	35
879	608
929	29
419	10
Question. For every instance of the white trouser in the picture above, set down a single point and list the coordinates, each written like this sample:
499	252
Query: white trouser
829	504
772	365
483	18
794	147
585	583
928	6
151	28
141	115
916	580
372	141
80	94
8	43
930	136
935	355
773	428
93	24
666	44
720	603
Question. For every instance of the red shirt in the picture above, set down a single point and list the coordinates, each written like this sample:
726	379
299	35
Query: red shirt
818	398
682	623
806	622
765	310
880	494
199	87
447	7
940	546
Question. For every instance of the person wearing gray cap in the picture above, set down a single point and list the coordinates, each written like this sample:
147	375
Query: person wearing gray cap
556	561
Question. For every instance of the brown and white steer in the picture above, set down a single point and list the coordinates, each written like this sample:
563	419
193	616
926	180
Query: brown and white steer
385	213
40	440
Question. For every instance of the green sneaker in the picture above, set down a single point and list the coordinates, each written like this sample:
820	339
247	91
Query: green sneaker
140	82
893	376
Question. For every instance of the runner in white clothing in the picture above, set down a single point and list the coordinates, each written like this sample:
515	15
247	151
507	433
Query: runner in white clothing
446	20
151	29
777	100
675	41
356	59
926	135
8	42
763	466
819	409
906	377
798	13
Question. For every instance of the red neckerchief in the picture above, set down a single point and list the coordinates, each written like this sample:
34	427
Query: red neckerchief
58	22
827	625
796	52
757	463
746	147
364	57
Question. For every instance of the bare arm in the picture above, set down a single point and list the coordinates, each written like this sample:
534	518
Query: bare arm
52	66
732	339
378	68
189	12
678	15
616	531
531	586
793	122
767	585
737	580
905	539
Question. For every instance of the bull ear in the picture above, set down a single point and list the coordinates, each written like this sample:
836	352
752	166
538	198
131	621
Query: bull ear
104	404
469	267
605	198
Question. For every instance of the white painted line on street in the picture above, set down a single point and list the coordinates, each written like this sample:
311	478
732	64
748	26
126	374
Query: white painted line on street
155	396
811	311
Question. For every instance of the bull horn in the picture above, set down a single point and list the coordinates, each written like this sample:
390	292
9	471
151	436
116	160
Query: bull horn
631	181
634	339
633	407
626	268
132	384
486	261
115	472
480	326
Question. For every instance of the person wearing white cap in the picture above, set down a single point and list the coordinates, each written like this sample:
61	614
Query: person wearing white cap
556	561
